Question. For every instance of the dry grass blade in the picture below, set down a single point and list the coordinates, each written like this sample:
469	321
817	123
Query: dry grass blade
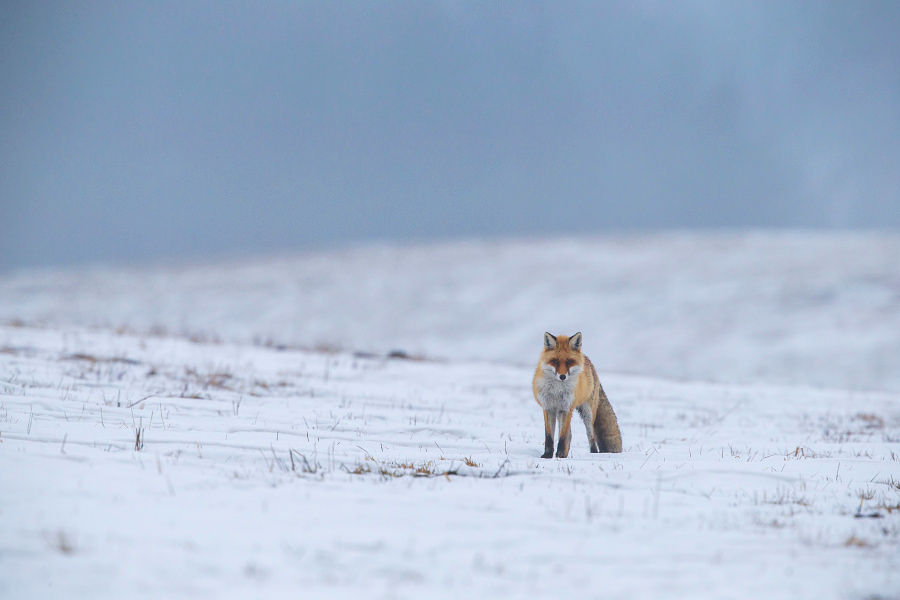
139	436
61	543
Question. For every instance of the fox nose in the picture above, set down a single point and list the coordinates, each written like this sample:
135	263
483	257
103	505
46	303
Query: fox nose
562	376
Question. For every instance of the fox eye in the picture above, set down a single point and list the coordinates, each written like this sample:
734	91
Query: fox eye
553	362
570	363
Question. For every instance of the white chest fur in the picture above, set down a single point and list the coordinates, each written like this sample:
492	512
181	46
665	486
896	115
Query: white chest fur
555	395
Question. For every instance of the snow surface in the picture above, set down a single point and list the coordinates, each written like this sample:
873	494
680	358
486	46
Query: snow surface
769	468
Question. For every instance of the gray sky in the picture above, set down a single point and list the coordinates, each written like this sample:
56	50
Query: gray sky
158	130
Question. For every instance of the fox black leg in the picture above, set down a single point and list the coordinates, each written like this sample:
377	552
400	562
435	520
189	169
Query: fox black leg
562	449
549	427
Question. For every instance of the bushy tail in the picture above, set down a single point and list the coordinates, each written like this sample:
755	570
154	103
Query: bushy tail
606	426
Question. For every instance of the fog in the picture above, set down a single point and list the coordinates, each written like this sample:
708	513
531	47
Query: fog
146	131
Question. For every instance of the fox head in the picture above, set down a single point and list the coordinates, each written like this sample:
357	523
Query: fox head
562	357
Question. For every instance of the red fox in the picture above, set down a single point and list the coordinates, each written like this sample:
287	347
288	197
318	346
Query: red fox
565	380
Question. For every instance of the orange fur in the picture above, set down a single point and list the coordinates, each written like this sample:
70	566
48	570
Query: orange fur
559	396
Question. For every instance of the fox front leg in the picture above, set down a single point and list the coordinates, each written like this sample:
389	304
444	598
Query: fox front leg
549	428
565	435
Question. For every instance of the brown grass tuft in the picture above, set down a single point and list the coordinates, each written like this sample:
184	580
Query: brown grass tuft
871	420
61	543
856	542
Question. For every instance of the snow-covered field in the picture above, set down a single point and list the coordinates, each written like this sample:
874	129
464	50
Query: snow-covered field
238	430
814	309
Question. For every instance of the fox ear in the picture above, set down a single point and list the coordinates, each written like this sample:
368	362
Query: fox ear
549	341
575	342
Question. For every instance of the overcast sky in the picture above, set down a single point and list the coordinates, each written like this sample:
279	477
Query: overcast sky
145	131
